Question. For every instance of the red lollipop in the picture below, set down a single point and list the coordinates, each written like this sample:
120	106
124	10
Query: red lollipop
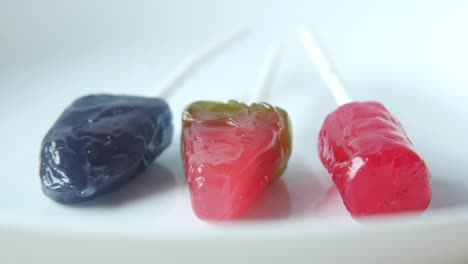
365	149
234	151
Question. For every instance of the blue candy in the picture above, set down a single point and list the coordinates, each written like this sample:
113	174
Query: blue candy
100	142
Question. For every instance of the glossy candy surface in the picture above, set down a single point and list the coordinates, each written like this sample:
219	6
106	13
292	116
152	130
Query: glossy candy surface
372	161
100	142
232	152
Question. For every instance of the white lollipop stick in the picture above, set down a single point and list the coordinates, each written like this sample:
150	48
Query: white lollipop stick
323	65
266	74
169	86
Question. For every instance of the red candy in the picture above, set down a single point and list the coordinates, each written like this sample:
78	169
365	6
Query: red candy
372	161
232	152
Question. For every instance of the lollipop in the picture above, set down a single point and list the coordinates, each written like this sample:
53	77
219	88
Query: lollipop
102	141
233	151
365	149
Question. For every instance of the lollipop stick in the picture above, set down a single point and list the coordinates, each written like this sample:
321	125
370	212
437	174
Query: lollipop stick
267	72
323	65
188	66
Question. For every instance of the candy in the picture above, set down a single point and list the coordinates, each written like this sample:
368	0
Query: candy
101	142
366	151
372	161
232	152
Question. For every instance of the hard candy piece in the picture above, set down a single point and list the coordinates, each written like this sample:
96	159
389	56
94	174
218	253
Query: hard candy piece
372	161
232	152
100	142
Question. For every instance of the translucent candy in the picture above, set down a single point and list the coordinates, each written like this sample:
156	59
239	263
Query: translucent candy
372	161
232	152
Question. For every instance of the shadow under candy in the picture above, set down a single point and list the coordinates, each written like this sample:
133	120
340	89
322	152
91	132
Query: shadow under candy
154	180
273	203
448	195
308	190
448	180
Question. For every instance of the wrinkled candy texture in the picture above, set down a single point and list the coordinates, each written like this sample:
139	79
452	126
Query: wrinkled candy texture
100	142
372	161
232	152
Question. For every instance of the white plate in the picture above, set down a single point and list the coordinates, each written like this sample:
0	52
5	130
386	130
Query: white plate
411	56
